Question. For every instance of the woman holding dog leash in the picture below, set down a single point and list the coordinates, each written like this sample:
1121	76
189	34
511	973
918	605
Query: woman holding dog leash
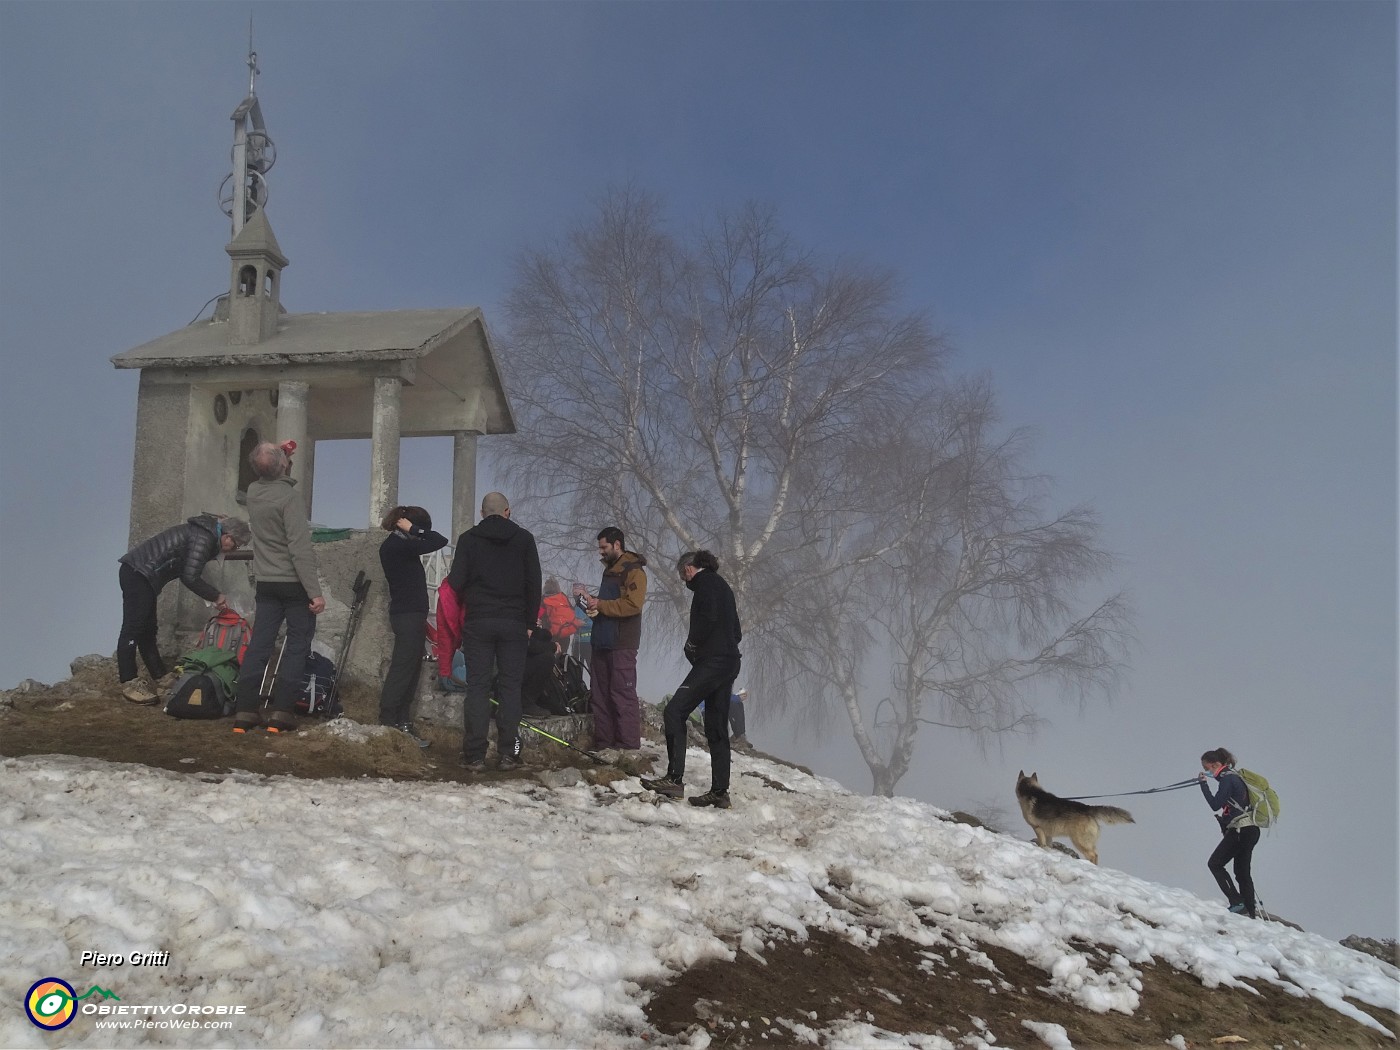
1241	834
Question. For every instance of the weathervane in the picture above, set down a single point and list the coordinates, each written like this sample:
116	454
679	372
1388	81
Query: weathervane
244	190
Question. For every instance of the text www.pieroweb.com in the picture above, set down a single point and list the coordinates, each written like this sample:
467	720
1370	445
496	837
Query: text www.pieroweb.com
181	1023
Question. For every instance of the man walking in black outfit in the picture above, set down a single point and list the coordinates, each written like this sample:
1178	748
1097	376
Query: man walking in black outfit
496	572
712	647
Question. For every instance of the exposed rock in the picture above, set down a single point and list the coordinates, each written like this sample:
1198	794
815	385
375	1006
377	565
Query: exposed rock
93	661
957	816
1385	949
560	778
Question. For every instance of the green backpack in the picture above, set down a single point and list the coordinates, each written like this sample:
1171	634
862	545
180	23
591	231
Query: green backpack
206	686
1263	800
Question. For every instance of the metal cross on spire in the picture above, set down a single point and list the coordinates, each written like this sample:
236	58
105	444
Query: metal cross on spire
244	190
253	69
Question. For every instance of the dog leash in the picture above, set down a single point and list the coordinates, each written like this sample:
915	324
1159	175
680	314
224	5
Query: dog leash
1150	791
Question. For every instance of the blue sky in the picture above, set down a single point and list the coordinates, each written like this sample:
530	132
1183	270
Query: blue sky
1166	230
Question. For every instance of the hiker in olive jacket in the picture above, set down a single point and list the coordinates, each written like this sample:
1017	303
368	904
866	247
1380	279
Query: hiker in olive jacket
288	590
282	550
179	553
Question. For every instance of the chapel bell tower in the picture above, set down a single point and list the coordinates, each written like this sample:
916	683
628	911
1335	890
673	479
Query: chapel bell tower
254	298
255	277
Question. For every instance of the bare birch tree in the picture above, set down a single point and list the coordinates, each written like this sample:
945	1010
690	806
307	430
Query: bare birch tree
701	397
967	588
728	392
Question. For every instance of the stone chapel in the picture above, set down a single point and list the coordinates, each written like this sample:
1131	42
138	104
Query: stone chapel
253	371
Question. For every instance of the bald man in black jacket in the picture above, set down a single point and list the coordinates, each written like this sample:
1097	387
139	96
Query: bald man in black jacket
496	571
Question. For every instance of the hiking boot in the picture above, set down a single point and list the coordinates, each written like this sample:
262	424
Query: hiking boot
718	799
667	785
1239	909
508	763
473	765
281	722
138	692
406	728
246	721
741	743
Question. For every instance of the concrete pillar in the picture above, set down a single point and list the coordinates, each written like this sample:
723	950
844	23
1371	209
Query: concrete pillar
163	421
292	397
384	449
465	510
305	469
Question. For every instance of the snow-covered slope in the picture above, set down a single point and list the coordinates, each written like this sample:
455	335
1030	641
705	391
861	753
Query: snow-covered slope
521	913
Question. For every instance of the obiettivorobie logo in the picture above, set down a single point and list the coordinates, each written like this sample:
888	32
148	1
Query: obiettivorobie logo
52	1004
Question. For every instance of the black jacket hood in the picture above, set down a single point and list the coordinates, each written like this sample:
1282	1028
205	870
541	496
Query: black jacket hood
495	528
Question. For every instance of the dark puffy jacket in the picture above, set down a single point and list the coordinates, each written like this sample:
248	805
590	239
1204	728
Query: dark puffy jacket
179	553
496	572
714	618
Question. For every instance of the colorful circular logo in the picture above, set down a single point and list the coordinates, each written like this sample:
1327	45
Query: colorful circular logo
50	1003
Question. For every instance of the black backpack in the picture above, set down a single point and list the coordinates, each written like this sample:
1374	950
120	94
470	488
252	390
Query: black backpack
318	686
572	689
197	694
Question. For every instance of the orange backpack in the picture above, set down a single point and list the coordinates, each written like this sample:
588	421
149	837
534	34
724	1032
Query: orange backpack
228	631
557	616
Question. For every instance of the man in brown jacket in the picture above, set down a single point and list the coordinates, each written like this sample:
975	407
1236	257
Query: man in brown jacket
617	634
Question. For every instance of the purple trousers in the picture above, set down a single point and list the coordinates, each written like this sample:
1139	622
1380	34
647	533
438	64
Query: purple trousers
617	714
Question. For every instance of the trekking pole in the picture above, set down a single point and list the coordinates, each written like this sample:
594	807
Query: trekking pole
552	737
1150	791
360	590
1259	908
269	678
